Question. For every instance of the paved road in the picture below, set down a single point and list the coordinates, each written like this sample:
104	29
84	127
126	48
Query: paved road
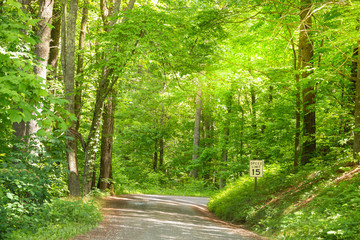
154	217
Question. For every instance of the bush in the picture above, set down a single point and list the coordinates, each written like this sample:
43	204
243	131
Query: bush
60	219
28	180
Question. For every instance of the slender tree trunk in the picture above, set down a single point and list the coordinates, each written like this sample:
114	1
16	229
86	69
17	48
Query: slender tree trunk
80	63
155	157
68	63
161	152
297	122
54	46
297	65
253	107
197	128
356	148
225	149
161	140
308	94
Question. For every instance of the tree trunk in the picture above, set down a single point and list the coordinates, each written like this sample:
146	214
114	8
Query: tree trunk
155	157
253	108
161	140
297	65
196	143
224	154
80	63
308	94
356	148
161	152
42	48
19	130
107	142
102	92
54	45
68	64
297	122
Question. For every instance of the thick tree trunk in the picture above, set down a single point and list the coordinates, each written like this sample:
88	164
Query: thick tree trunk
107	143
19	130
42	48
68	63
196	143
308	94
356	148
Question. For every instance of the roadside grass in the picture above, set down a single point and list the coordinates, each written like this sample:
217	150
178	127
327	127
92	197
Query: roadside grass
61	219
193	188
319	201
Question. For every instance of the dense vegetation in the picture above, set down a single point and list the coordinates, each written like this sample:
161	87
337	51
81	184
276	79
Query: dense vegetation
288	204
178	96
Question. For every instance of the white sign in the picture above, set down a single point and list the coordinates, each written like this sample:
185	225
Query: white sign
256	168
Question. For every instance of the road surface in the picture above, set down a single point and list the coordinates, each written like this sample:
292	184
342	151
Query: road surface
155	217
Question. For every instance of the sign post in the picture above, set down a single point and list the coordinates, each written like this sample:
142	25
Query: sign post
256	170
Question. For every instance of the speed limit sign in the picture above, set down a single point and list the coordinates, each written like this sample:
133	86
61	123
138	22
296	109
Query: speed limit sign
256	168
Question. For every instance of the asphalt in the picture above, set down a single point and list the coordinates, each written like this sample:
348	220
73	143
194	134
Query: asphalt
156	217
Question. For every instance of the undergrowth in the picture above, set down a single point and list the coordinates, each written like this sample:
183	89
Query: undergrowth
319	201
60	219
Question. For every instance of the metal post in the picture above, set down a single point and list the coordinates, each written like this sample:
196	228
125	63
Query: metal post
255	184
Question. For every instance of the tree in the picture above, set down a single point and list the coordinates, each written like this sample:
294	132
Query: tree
68	30
306	52
105	86
196	144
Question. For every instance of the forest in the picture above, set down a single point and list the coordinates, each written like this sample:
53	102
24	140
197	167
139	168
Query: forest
161	96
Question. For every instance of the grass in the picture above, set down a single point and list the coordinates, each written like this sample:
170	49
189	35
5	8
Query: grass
316	202
194	188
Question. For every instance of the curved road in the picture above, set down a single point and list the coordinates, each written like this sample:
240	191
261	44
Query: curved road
155	217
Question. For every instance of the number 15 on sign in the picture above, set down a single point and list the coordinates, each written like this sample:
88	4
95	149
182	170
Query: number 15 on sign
256	168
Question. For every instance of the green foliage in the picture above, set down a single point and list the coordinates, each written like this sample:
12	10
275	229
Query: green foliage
28	180
316	202
61	219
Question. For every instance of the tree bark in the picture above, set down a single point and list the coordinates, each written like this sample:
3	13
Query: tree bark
356	148
225	148
54	45
155	157
43	31
308	94
42	49
196	143
297	65
68	64
107	142
80	64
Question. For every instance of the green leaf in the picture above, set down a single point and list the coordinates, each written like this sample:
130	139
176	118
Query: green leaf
27	115
41	133
33	22
15	116
10	195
